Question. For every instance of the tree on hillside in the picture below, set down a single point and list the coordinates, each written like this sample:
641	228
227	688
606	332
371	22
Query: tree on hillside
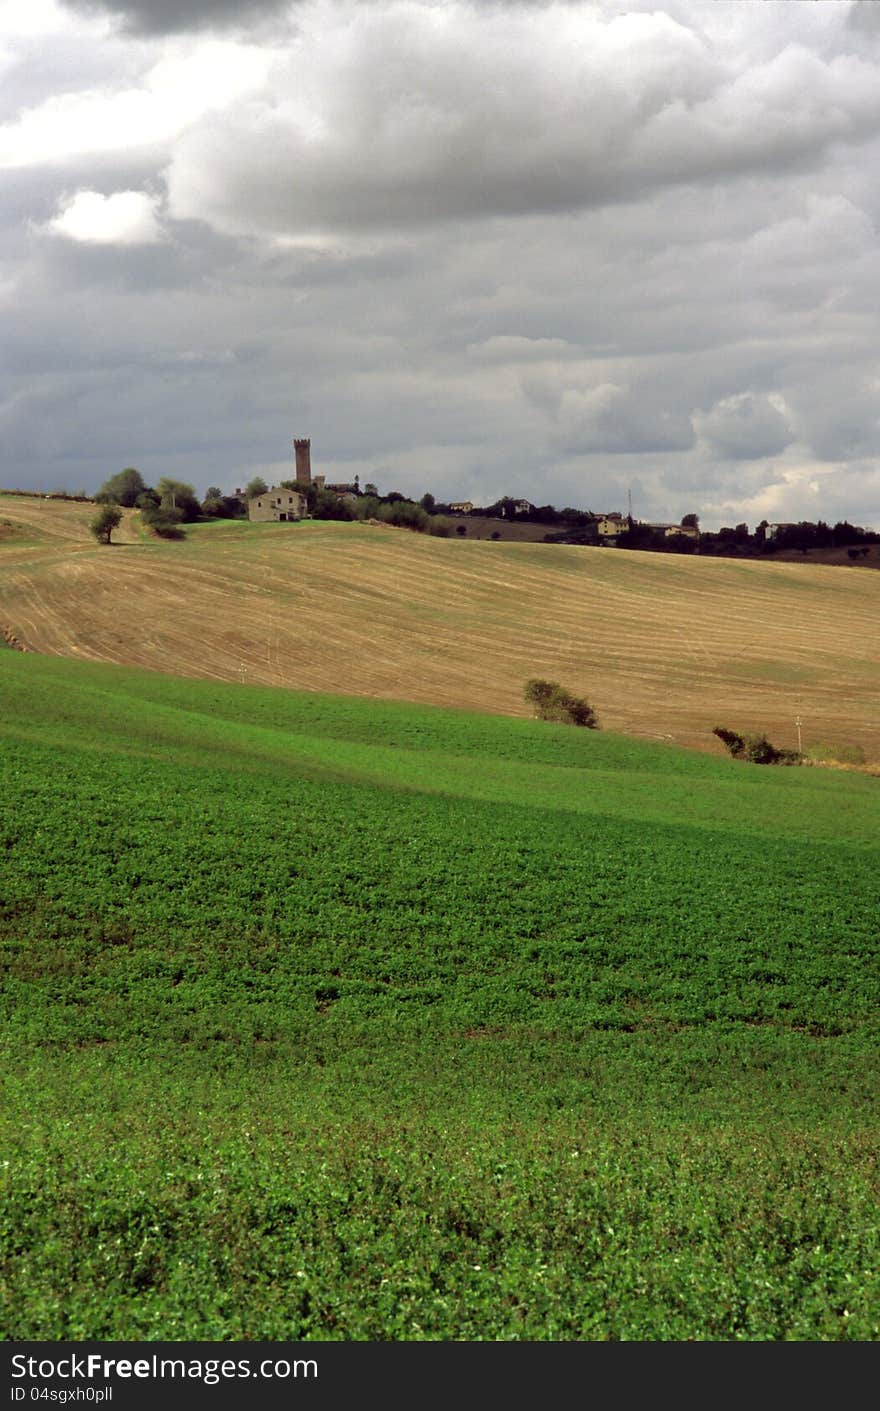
105	521
122	489
690	521
216	505
255	487
213	504
327	505
178	495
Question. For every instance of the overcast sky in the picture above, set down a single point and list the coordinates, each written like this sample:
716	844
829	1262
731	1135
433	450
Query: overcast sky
563	251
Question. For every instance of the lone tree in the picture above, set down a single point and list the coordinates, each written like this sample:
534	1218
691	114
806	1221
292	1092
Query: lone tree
552	702
105	521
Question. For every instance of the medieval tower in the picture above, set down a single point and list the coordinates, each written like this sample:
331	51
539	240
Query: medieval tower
303	451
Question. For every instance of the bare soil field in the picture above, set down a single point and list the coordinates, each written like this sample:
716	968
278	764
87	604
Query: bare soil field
663	646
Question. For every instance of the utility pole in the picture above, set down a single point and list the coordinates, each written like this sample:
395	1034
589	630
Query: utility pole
797	721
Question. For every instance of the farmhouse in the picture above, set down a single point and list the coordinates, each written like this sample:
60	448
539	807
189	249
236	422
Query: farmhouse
462	506
608	526
278	503
670	530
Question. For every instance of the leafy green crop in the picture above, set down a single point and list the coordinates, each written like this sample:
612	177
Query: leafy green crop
328	1018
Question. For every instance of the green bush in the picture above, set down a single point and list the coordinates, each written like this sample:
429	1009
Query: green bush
164	521
552	702
405	515
757	749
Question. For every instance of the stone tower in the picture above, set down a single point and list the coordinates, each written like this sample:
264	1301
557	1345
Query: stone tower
303	451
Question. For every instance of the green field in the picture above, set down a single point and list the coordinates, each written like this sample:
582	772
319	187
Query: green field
327	1018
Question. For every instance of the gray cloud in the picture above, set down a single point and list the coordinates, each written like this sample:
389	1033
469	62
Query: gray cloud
746	427
154	17
558	251
395	119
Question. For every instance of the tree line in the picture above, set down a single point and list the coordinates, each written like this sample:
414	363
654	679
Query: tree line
171	504
739	542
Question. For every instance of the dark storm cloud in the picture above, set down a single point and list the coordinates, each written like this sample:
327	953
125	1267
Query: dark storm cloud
154	17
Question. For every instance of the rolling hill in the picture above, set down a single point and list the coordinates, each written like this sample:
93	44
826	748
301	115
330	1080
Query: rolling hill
663	647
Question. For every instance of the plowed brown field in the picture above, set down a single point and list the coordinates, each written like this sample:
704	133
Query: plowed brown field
662	646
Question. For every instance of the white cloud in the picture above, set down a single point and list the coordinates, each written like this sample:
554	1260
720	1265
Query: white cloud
22	19
124	218
190	80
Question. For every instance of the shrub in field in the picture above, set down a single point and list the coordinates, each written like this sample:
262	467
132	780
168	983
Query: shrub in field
166	522
105	521
552	702
757	749
405	515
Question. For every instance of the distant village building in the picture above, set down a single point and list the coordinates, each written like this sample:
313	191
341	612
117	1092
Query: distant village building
345	491
608	526
302	450
670	530
462	506
279	503
282	503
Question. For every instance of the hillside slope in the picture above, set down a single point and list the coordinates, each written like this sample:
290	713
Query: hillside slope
663	647
323	1018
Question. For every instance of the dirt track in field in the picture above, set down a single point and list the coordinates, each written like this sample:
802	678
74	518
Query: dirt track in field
663	647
